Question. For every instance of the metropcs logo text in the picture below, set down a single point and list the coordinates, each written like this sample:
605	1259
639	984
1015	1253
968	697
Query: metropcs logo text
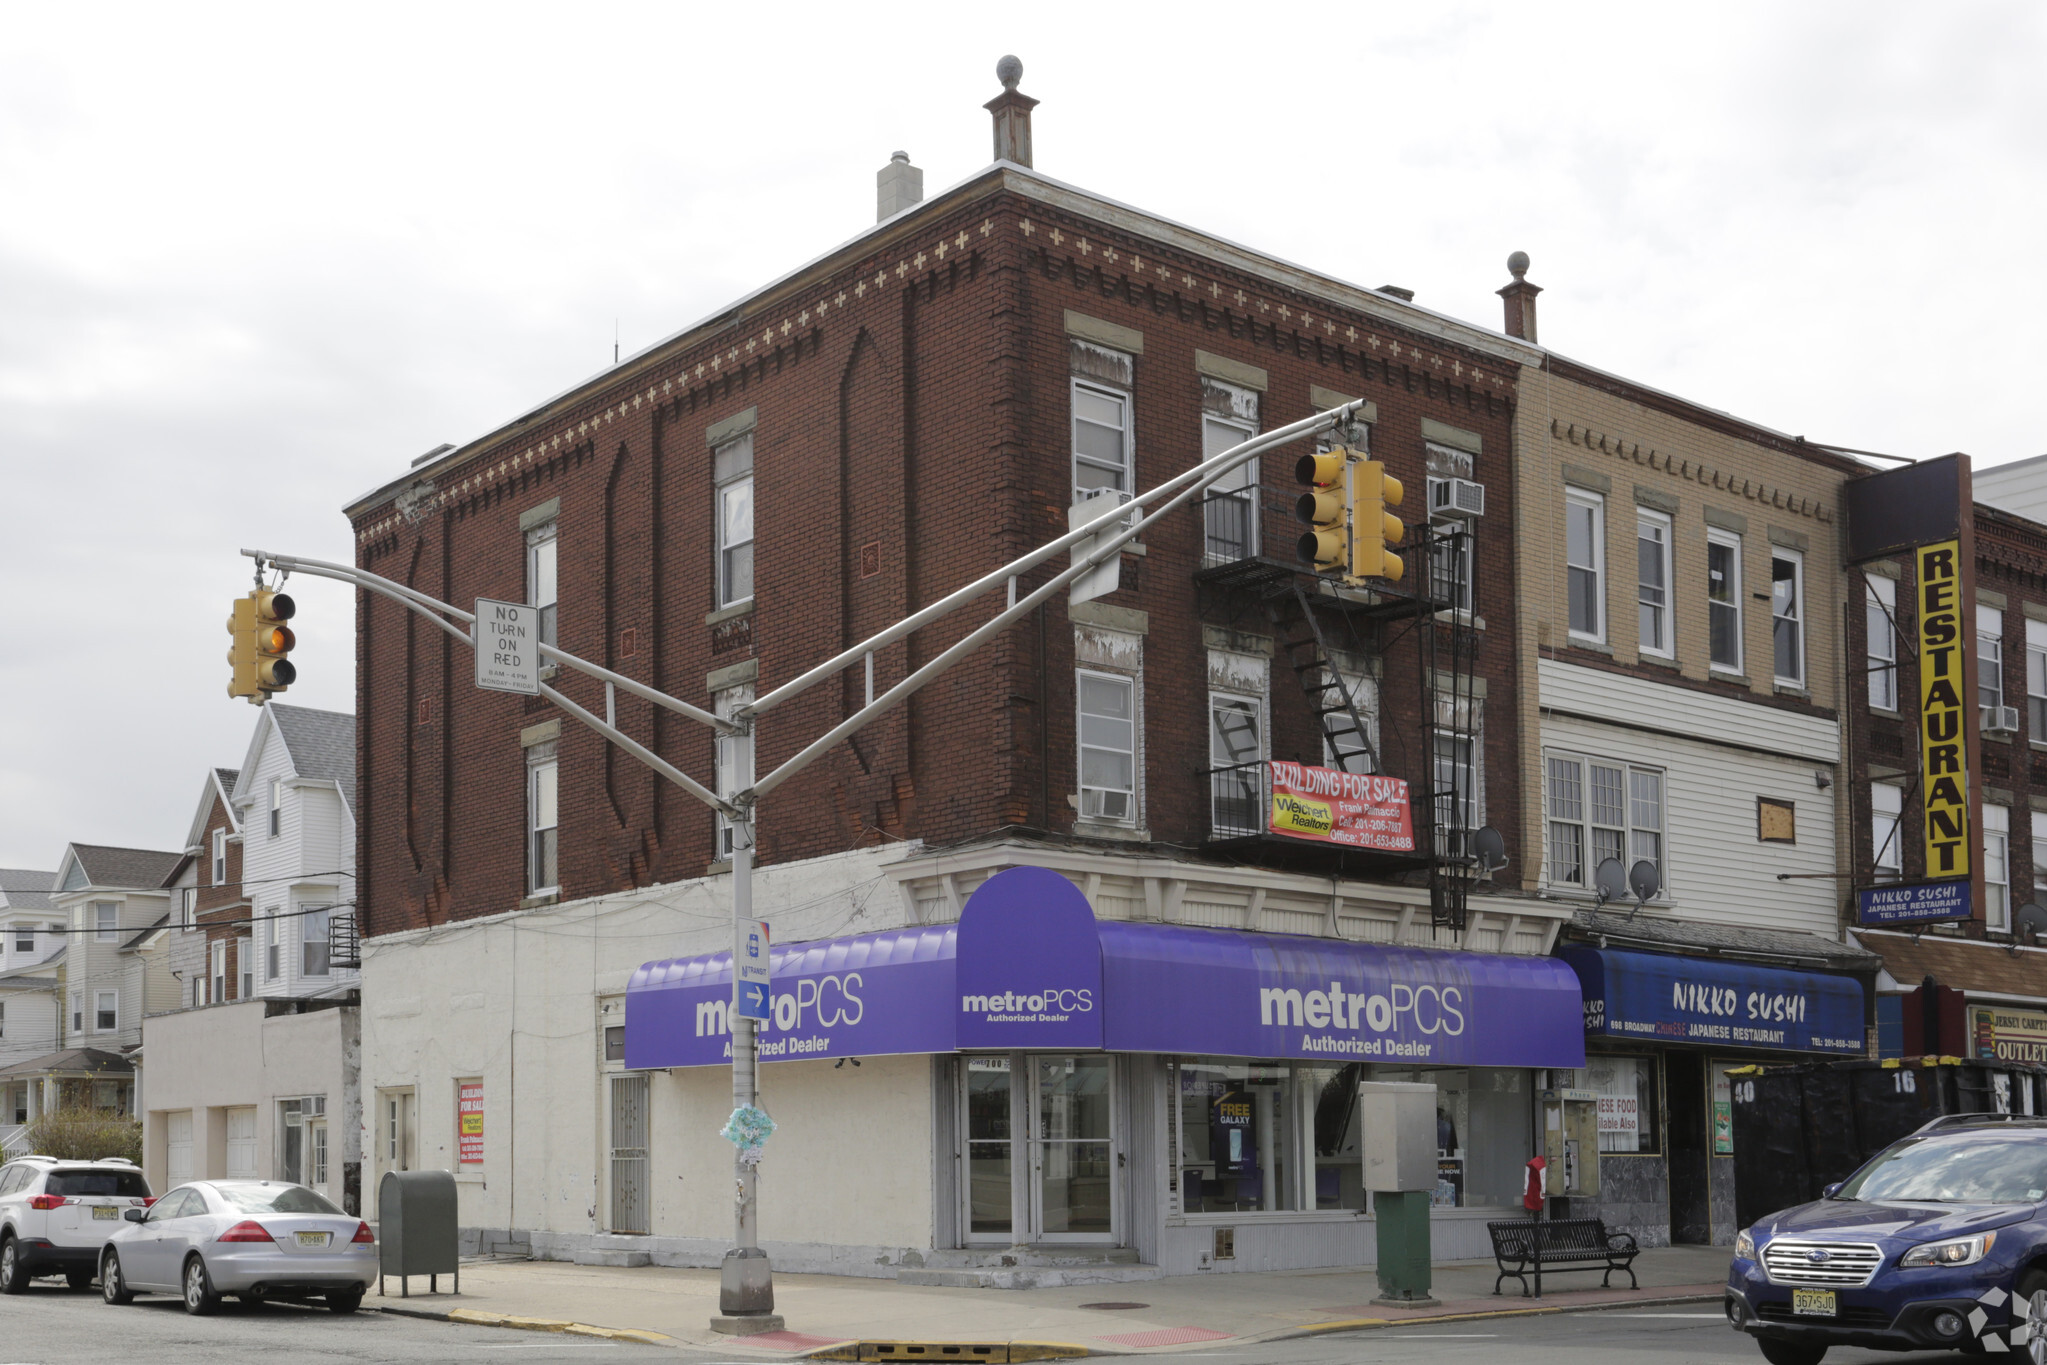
1051	1000
817	1002
1427	1010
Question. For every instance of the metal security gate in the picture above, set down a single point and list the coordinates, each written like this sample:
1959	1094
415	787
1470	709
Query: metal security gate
629	1154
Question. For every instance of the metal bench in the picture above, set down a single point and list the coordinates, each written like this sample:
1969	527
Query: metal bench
1522	1248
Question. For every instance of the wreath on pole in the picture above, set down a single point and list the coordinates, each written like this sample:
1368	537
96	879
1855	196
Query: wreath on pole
747	1129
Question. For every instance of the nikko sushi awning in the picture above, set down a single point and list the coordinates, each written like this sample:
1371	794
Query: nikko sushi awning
1656	997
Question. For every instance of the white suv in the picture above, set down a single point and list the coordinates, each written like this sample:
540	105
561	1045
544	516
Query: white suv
56	1215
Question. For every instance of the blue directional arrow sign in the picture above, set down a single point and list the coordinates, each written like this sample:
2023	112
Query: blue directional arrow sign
750	969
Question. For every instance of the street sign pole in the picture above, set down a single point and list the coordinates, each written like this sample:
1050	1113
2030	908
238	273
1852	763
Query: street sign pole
746	1286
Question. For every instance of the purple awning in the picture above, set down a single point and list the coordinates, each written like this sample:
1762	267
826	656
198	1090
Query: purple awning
1028	966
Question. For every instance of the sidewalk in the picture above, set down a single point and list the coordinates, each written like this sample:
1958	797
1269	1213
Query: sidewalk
663	1305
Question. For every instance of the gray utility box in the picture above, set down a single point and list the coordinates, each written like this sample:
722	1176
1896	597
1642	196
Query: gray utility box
1397	1130
416	1229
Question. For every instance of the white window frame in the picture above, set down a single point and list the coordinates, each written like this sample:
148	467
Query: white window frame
2038	821
220	856
542	815
1665	646
1585	822
2036	680
1249	784
1363	691
101	1009
1239	486
276	806
106	921
1128	472
736	482
1989	658
78	1011
1886	828
216	971
543	577
1441	557
1091	810
188	907
245	966
1796	617
735	759
24	936
313	922
1578	500
1996	868
1880	632
1730	541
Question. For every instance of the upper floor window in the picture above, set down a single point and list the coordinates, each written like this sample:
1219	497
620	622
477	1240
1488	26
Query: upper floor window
1229	417
1787	614
1723	600
1652	582
106	921
1990	663
106	1011
313	941
543	818
78	1011
273	950
276	806
1457	755
542	583
1601	809
188	905
1886	828
220	857
1996	867
1101	440
1585	556
1235	749
1453	557
1880	614
2036	679
24	938
732	475
1342	746
1108	746
245	967
218	976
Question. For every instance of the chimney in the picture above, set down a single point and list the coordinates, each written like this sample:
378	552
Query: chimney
897	186
1012	111
1520	297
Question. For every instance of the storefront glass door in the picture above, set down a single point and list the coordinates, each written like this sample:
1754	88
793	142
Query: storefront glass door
1037	1137
989	1194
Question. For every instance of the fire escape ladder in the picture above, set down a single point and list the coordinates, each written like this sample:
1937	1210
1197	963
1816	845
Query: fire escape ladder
1445	648
1299	635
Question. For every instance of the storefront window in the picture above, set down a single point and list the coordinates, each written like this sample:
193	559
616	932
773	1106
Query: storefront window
1482	1133
1629	1115
1339	1163
988	1146
1237	1135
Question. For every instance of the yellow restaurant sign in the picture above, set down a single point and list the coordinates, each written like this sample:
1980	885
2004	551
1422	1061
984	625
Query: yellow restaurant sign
1946	701
2001	1034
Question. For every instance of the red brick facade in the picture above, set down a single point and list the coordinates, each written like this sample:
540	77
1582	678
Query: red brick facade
912	432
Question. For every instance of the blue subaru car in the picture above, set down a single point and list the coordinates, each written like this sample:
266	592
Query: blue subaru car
1938	1243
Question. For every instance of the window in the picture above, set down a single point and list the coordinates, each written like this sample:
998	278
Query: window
1886	832
2036	680
24	938
1456	783
3	1019
106	1011
317	1163
1231	509
1101	440
78	1011
1787	614
1996	867
291	1139
198	990
1880	615
543	816
313	941
735	763
220	857
1601	809
273	967
542	582
1990	661
1235	749
1239	1126
2039	822
1628	1112
106	922
1453	558
188	906
1652	582
1342	746
218	955
245	961
1585	556
1108	747
276	806
732	478
1723	600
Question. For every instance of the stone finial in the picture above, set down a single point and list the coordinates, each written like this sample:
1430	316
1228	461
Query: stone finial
1009	71
1012	111
1520	299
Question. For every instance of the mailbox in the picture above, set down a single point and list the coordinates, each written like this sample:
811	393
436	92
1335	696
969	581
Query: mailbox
416	1229
1570	1141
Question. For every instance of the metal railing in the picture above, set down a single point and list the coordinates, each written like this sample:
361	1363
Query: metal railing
1239	800
344	940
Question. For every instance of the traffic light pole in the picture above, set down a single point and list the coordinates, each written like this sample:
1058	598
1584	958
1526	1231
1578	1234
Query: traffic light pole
746	1297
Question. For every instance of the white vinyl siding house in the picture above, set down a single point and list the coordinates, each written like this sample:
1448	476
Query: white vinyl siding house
309	866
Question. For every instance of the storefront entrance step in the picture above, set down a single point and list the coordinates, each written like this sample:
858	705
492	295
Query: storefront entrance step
1029	1276
1004	1258
611	1256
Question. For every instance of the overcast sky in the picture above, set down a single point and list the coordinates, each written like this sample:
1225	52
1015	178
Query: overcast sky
252	261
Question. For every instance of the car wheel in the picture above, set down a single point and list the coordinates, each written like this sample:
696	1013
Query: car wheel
2030	1308
344	1302
113	1285
1790	1352
13	1273
200	1299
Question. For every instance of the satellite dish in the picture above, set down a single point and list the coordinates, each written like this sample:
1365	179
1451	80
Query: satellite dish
2031	923
1609	879
1645	881
1490	849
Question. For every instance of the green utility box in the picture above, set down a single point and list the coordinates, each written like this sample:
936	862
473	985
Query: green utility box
1397	1131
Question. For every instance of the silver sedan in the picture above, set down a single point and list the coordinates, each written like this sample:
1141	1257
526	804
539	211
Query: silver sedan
250	1238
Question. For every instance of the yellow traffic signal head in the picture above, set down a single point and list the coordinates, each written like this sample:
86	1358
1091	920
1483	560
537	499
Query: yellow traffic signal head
1374	530
241	655
1323	467
261	641
1323	509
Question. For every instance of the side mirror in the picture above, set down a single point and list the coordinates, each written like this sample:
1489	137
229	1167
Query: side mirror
1830	1191
135	1215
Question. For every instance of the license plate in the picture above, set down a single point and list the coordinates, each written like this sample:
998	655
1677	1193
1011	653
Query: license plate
104	1213
319	1239
1814	1303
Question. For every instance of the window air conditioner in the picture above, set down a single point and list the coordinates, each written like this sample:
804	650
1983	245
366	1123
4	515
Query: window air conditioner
2000	720
1104	805
1456	498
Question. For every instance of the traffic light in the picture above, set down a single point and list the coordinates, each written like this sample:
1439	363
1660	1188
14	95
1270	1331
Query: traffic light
1374	530
262	641
1322	508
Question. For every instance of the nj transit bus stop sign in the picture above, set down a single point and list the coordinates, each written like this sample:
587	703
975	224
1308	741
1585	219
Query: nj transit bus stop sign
750	977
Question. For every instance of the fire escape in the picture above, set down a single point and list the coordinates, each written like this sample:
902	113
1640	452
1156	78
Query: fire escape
1329	633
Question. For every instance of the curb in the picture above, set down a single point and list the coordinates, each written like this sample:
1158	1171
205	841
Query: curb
474	1317
1316	1329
